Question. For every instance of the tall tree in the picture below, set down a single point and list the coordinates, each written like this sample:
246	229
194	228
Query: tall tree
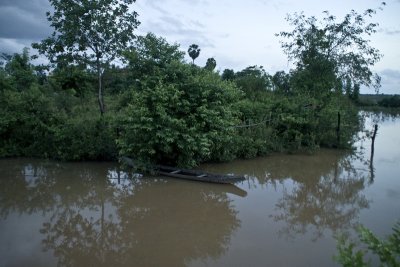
211	64
19	70
334	51
194	51
92	32
150	55
228	75
253	80
281	82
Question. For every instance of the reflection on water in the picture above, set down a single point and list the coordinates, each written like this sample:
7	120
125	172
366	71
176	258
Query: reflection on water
89	219
318	192
285	214
331	202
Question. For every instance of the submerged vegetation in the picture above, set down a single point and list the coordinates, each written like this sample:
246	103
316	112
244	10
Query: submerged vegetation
354	254
158	108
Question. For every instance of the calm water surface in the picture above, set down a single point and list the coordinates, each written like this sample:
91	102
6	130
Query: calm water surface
285	214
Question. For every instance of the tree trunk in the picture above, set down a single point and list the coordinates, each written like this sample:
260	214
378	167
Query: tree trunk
100	93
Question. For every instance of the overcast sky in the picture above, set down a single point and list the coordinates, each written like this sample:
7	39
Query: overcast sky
236	33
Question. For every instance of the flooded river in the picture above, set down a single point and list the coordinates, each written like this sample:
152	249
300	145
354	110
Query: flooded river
286	213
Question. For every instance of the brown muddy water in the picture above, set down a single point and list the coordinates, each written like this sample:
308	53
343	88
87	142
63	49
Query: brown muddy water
286	213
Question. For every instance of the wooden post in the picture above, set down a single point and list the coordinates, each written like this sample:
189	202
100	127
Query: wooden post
338	129
373	142
371	160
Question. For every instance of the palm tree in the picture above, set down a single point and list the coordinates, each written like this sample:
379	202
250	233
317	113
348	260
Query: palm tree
194	51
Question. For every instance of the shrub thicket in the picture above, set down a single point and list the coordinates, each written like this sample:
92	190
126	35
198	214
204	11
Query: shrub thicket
161	109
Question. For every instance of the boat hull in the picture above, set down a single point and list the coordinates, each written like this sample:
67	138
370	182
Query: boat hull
194	175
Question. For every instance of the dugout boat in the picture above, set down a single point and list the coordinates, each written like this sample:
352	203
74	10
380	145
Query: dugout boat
194	175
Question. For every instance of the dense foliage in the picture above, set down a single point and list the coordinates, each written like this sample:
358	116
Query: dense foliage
162	109
336	51
182	119
50	120
92	32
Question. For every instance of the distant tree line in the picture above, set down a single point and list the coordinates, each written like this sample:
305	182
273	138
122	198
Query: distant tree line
379	100
390	102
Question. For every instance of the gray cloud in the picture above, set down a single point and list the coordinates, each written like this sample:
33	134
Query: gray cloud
11	46
185	31
174	25
197	23
172	22
22	22
193	2
158	4
163	28
200	40
390	81
392	32
179	27
183	35
390	74
155	4
32	6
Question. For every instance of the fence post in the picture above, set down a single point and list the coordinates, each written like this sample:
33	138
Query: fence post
373	142
338	129
371	160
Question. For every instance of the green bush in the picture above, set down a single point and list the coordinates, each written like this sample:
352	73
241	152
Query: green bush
86	137
294	123
27	123
254	136
75	80
19	72
34	123
328	121
184	119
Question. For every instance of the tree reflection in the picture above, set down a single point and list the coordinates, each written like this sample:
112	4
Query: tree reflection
22	191
329	199
192	222
92	220
320	192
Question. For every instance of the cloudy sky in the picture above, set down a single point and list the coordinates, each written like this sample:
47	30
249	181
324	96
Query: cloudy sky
236	33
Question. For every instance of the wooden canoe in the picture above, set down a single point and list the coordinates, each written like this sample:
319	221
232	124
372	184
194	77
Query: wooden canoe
194	175
197	175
